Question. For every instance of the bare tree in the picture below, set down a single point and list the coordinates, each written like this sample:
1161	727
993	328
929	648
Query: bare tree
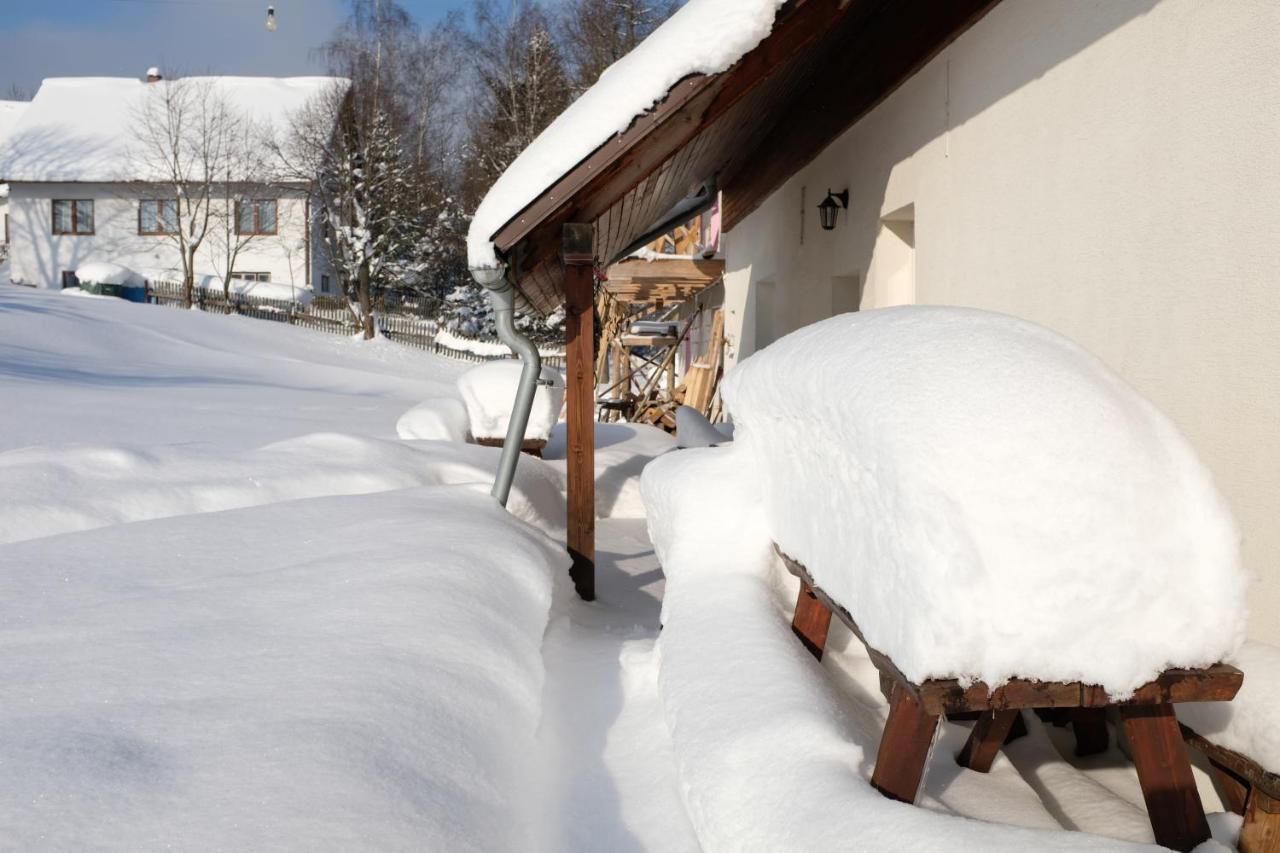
597	33
192	141
235	223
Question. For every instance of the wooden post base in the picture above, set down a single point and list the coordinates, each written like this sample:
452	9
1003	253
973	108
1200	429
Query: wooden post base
904	747
812	621
1164	771
989	733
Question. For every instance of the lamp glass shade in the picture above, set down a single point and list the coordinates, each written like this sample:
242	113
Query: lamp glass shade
828	210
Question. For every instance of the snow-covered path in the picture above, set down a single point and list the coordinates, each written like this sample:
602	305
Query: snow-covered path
605	745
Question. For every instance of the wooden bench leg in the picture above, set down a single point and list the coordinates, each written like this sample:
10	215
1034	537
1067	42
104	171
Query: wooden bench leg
812	621
1164	771
1233	790
1090	727
904	747
1261	830
988	735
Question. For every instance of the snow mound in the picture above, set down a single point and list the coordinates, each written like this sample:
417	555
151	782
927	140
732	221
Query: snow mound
439	419
622	452
1250	723
103	272
684	44
772	755
345	673
989	500
490	390
55	489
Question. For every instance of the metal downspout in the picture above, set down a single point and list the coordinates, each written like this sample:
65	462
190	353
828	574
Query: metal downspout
502	295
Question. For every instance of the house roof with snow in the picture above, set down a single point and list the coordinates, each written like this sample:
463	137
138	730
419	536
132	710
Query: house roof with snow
10	113
728	95
82	128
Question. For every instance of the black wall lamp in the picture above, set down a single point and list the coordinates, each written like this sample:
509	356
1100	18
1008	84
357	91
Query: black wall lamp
829	209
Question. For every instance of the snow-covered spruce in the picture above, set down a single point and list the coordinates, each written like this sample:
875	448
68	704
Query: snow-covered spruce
989	500
488	391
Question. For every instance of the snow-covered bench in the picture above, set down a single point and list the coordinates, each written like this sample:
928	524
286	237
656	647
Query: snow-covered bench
1155	742
1006	524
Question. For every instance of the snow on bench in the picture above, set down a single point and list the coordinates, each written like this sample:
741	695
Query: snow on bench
1005	525
489	390
989	501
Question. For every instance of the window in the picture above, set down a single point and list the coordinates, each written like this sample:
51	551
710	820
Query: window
257	216
73	216
69	279
252	276
157	216
324	284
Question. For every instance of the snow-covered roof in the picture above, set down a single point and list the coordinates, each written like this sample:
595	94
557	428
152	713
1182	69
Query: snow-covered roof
10	113
81	128
703	37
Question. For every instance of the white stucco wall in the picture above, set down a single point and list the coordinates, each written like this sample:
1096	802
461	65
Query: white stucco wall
39	256
1108	169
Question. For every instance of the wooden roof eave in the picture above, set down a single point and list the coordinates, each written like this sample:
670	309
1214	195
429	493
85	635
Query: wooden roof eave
693	104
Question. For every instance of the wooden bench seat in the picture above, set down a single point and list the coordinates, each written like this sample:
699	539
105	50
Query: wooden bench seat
1156	743
1246	788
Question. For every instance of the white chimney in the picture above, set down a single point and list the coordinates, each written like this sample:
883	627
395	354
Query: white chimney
153	74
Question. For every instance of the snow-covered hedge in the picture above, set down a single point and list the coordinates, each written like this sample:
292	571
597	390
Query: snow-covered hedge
989	500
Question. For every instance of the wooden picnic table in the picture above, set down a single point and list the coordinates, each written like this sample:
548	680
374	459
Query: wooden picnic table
1155	740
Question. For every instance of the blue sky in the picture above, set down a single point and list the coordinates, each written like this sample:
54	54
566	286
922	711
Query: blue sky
52	38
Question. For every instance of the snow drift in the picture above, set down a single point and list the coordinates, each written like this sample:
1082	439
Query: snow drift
988	500
490	390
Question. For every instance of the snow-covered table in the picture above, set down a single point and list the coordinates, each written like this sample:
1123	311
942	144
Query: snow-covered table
1155	740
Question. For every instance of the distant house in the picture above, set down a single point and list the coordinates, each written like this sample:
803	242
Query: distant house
86	183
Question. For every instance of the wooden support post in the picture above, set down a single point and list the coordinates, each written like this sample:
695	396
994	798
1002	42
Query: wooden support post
904	747
1090	727
811	621
1261	830
988	735
580	398
1164	771
1232	790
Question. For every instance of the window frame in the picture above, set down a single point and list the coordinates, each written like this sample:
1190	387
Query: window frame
159	219
250	275
75	217
257	204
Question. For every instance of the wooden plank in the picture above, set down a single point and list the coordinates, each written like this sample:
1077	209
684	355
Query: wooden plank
904	747
1164	771
1232	790
661	270
1241	765
988	735
579	289
811	622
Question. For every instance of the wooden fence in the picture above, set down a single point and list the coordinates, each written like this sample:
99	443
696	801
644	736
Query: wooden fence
395	320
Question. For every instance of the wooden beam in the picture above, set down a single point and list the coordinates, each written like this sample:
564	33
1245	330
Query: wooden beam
899	40
667	270
988	735
811	622
1164	771
580	399
904	748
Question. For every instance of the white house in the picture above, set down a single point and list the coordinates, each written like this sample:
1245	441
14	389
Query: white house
1108	170
88	182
